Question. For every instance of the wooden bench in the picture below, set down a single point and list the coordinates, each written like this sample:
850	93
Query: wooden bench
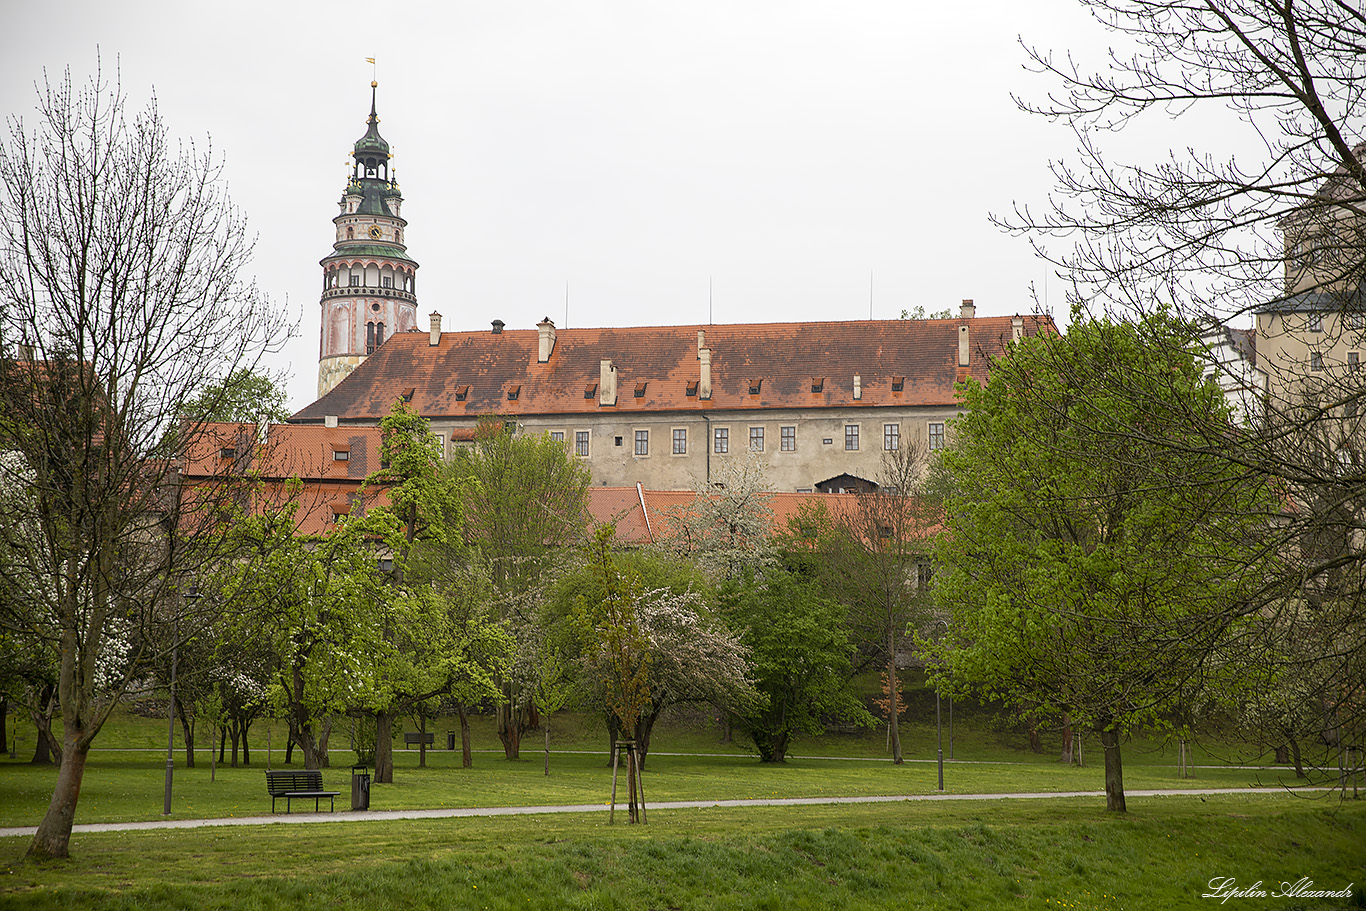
413	738
290	784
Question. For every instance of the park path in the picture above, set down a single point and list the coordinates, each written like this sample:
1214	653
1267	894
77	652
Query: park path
445	813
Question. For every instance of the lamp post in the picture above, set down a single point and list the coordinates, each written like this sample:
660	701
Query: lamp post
191	596
938	720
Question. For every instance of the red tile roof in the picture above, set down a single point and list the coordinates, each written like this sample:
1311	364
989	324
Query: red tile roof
661	362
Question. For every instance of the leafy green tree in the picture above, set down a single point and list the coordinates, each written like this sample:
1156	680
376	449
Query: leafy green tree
1085	571
244	395
524	499
800	654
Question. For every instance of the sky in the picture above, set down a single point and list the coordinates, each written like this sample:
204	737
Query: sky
623	162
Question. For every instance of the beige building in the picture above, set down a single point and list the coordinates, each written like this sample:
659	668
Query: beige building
816	404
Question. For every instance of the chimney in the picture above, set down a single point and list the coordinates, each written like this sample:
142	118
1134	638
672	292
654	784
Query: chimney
701	342
968	310
262	432
329	420
607	383
498	327
436	330
704	387
1016	328
546	328
858	387
962	346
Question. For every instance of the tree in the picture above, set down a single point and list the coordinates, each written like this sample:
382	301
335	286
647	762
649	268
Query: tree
689	654
119	262
1272	223
799	659
872	555
244	395
727	527
1085	572
524	499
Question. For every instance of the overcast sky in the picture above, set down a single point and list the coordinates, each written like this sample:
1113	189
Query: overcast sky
779	158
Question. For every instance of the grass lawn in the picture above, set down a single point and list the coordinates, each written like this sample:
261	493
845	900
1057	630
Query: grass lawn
1062	853
1057	853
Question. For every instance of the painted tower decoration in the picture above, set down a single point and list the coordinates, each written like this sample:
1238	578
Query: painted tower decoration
369	287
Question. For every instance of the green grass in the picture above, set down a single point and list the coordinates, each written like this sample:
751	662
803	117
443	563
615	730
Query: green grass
1056	853
124	780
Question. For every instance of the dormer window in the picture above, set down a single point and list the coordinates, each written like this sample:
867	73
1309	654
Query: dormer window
755	386
692	388
227	452
898	383
818	384
640	390
590	391
513	393
341	453
462	393
407	394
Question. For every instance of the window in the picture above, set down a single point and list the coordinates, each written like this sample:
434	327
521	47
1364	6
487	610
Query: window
722	437
227	452
510	426
1353	360
341	455
581	443
1315	360
756	439
387	281
787	439
891	437
369	338
936	437
924	574
557	436
441	444
1356	320
680	441
642	442
850	437
355	281
350	233
1316	322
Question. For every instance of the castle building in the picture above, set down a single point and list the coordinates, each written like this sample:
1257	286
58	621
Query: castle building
369	281
817	404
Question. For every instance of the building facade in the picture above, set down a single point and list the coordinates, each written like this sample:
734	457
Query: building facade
816	404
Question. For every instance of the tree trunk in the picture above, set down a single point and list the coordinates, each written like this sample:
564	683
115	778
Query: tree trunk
1283	754
323	736
384	747
613	735
289	751
421	741
545	726
1066	756
187	729
645	726
246	745
893	697
48	749
509	728
466	755
53	838
1114	771
1299	760
4	726
223	742
1035	739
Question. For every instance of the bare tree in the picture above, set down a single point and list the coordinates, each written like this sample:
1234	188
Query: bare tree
120	299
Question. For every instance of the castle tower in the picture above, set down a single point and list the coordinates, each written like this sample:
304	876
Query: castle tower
369	281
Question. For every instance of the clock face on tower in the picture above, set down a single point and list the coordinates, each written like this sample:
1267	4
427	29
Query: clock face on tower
375	231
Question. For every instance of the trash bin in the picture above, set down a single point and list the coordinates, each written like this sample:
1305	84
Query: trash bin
360	787
450	740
